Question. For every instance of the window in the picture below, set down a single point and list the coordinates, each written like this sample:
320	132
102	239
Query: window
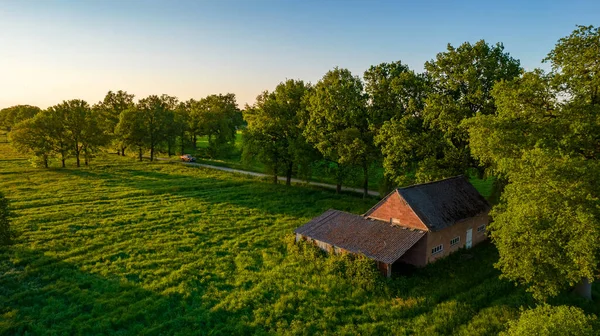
437	249
454	241
481	228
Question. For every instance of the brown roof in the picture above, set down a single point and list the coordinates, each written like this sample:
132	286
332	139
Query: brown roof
375	239
441	204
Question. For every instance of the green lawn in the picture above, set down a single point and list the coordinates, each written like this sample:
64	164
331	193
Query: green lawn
130	248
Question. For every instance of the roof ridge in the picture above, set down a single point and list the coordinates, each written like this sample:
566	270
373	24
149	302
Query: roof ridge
432	182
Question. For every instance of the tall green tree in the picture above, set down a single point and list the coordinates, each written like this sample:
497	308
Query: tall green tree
462	80
172	122
182	123
544	140
131	129
396	96
219	118
339	123
32	136
81	127
13	115
273	135
156	114
109	110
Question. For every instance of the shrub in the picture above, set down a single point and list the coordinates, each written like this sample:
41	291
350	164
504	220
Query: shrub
552	320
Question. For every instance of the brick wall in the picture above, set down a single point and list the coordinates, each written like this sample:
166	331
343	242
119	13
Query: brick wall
457	230
395	208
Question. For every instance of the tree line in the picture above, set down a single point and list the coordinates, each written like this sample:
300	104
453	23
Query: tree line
73	128
474	110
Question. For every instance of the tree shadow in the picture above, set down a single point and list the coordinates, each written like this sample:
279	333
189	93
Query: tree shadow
41	294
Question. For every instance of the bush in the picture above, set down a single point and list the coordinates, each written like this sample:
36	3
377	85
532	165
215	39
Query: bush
552	320
5	234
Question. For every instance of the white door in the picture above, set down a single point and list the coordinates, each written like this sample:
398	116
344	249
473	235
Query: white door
469	241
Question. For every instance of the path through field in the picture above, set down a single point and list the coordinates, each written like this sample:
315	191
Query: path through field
281	178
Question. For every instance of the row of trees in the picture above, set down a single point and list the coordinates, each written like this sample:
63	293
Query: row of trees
410	122
74	128
474	110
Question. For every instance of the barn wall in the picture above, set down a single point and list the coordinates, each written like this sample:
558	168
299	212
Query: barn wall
457	230
397	210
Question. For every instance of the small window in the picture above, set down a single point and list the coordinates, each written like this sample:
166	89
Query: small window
481	228
454	241
437	249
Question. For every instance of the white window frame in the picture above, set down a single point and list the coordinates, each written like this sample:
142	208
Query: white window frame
435	250
453	242
481	228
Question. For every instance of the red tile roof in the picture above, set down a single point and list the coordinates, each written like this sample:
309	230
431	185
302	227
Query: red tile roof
375	239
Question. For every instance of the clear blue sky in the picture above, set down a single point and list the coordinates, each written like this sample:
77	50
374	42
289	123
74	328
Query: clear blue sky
56	50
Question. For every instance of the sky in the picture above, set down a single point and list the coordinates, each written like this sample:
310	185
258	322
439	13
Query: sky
58	50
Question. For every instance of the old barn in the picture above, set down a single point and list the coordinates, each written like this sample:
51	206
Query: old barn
414	225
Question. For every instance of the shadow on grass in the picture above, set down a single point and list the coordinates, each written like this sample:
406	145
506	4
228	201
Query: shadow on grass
40	293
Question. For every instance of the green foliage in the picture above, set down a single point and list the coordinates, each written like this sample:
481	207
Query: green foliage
543	142
218	117
338	122
546	320
11	116
6	234
273	135
109	111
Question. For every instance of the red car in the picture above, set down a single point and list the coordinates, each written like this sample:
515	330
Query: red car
187	158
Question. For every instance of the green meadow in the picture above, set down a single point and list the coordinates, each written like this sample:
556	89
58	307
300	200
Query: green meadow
139	248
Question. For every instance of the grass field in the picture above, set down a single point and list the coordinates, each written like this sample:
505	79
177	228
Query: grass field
129	248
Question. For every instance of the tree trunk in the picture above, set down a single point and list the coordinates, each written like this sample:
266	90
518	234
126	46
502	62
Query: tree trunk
118	152
366	182
195	140
45	161
140	153
338	188
584	288
169	145
77	157
62	159
182	142
152	153
123	150
288	173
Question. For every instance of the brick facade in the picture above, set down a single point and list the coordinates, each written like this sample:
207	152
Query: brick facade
443	237
394	208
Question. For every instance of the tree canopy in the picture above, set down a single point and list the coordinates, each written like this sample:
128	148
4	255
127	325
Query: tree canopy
544	140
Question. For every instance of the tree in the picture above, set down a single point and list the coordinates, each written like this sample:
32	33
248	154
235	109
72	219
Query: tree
155	115
546	320
182	123
396	96
462	79
338	123
544	140
5	232
31	135
131	130
13	115
218	117
273	135
81	127
171	119
109	111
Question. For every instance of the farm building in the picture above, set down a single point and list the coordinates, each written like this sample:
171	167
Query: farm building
414	225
